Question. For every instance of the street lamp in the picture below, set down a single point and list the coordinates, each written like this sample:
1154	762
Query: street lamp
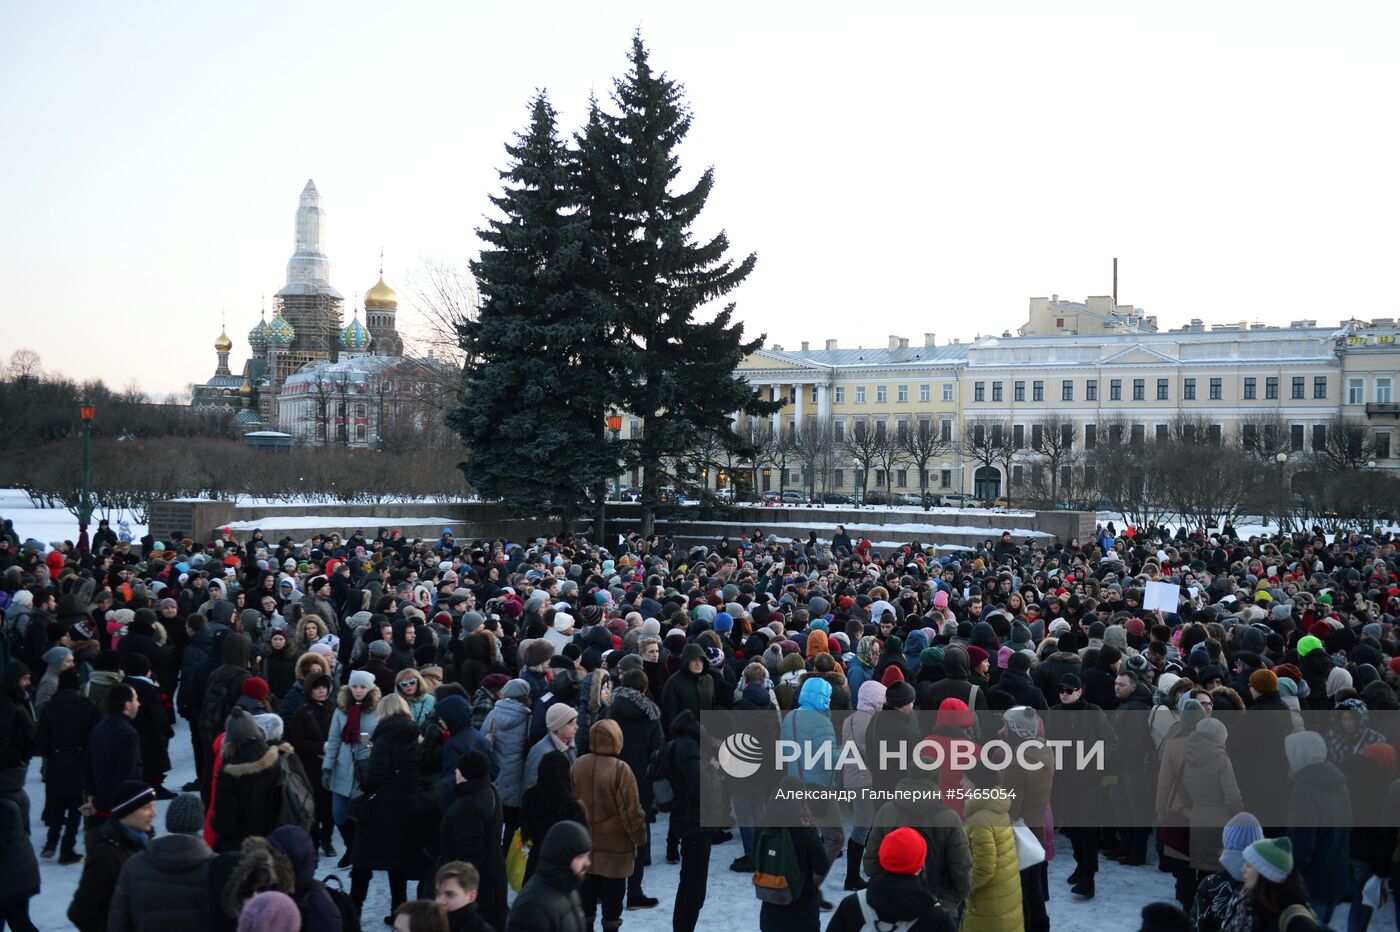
86	412
1281	459
615	425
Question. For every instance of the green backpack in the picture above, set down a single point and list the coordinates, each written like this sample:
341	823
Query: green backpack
777	878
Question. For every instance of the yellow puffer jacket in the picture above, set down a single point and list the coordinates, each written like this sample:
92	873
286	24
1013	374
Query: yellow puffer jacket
994	905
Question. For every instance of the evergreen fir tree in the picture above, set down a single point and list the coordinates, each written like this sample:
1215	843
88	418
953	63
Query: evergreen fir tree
532	406
674	371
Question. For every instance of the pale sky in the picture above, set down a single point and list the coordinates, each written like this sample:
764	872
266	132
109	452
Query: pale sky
898	169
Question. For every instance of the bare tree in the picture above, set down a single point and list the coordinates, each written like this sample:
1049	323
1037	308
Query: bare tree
1054	446
863	447
1348	445
922	446
1204	482
1128	474
991	442
890	456
24	367
445	296
815	444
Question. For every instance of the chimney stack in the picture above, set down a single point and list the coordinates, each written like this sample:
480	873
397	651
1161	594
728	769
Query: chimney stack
894	342
831	344
804	346
929	340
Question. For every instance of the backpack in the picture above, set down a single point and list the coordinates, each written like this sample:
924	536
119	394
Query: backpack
662	775
777	878
298	800
349	915
215	708
873	921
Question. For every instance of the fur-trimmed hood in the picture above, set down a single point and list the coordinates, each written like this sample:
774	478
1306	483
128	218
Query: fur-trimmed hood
342	698
263	762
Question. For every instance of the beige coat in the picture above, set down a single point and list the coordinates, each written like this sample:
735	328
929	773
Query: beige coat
607	790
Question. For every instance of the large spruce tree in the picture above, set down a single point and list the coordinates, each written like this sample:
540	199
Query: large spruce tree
673	370
535	382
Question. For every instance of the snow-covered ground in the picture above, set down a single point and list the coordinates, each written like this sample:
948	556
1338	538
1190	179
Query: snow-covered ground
730	903
54	524
290	522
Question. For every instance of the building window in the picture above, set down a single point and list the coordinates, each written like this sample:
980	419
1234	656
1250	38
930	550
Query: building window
839	394
901	478
1214	389
1320	387
879	478
1067	435
996	391
838	478
945	430
1249	436
947	391
1139	435
1115	390
1091	390
1356	391
880	430
1295	438
860	394
1059	323
1271	388
924	394
1250	392
1383	391
901	430
902	394
1019	392
1037	391
1067	390
945	478
1214	433
838	430
361	432
1319	437
1018	436
1188	389
979	391
1162	391
1139	389
1037	435
882	394
979	434
1382	444
1018	475
1300	387
814	394
1091	436
362	410
1161	434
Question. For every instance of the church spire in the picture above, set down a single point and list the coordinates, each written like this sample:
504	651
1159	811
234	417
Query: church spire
309	270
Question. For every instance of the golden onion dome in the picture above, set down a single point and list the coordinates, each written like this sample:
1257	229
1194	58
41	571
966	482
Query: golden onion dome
223	344
381	295
246	388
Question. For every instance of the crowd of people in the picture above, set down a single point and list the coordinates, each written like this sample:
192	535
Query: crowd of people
509	731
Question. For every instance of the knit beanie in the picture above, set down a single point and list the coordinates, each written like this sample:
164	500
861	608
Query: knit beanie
1239	833
474	765
899	694
271	911
240	726
559	715
185	815
361	678
903	851
1271	857
270	723
516	689
1263	681
55	655
129	796
1308	644
255	688
891	676
380	649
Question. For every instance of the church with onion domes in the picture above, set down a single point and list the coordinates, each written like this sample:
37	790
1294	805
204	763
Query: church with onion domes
309	373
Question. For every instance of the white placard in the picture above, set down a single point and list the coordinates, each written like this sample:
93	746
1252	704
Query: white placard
1165	596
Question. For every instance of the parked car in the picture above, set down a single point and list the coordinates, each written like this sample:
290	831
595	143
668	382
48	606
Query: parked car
794	497
769	497
908	498
875	497
958	500
631	494
725	495
837	498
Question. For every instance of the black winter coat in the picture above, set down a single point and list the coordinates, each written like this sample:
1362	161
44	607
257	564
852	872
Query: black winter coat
112	756
154	726
164	888
471	832
1013	689
640	721
64	725
687	767
19	870
111	847
16	712
805	911
248	798
400	832
894	897
307	732
549	901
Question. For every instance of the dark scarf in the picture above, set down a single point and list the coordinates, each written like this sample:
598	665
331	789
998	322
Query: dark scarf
351	732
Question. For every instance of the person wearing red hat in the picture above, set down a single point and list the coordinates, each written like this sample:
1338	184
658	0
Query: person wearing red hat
897	894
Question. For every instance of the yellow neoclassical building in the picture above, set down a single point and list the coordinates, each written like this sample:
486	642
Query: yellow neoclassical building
1077	369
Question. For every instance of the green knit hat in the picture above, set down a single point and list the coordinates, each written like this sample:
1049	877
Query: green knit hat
1271	857
930	657
1307	645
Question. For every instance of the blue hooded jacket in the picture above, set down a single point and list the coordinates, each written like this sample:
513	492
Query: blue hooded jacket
810	726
